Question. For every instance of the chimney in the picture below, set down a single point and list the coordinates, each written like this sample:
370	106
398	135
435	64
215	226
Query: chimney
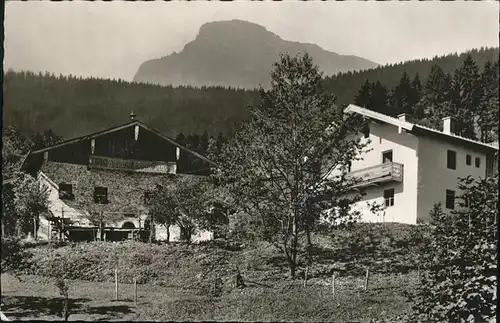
448	125
402	116
132	115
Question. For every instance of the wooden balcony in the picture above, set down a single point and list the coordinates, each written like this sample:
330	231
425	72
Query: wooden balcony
375	175
132	165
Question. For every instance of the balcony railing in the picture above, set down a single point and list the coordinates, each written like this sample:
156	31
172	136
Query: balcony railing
383	173
145	166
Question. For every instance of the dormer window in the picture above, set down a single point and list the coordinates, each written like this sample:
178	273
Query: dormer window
66	191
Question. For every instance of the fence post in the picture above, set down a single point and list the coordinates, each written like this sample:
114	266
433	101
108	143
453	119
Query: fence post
333	284
34	227
116	284
305	276
135	291
366	278
61	225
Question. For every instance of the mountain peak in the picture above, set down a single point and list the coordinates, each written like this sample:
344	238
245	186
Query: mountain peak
237	53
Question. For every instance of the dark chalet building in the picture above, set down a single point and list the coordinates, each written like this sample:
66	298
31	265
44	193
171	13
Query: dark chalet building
99	183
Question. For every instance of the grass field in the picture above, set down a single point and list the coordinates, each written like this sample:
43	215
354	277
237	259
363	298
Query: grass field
35	297
195	282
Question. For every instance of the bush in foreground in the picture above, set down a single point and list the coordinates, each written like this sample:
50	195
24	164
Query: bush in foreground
461	261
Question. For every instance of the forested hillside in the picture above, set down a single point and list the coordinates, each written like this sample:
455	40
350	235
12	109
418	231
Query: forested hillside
346	85
73	106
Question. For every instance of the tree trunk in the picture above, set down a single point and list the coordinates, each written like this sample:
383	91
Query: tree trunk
101	229
309	242
168	232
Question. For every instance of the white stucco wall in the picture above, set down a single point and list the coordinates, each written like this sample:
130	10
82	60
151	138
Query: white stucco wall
404	146
434	176
56	205
175	233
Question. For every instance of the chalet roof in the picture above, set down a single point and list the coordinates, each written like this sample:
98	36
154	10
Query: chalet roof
120	127
416	128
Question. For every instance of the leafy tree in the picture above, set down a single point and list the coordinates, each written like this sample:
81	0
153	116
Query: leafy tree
488	111
461	258
466	97
184	202
14	149
30	200
269	167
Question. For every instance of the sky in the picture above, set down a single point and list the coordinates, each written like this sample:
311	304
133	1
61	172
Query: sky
112	39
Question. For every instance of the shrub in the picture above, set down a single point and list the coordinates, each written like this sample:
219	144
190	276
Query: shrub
459	283
14	256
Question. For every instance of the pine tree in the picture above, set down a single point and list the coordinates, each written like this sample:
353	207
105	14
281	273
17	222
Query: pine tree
363	96
181	139
379	100
436	98
401	98
488	112
466	97
204	143
414	98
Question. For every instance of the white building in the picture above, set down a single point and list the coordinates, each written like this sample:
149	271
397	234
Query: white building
411	167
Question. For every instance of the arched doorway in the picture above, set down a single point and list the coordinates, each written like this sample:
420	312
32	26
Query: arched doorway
128	225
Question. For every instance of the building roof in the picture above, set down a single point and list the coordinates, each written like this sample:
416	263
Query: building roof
120	127
416	128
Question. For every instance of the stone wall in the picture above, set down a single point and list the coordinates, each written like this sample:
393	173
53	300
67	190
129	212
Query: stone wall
125	193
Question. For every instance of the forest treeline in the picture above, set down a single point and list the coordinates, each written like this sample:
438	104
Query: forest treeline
72	106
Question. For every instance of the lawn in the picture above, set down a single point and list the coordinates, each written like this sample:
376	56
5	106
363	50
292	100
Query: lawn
35	297
196	282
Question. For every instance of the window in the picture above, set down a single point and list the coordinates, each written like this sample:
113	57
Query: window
147	196
452	159
66	191
101	195
389	197
478	162
450	199
468	160
387	156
